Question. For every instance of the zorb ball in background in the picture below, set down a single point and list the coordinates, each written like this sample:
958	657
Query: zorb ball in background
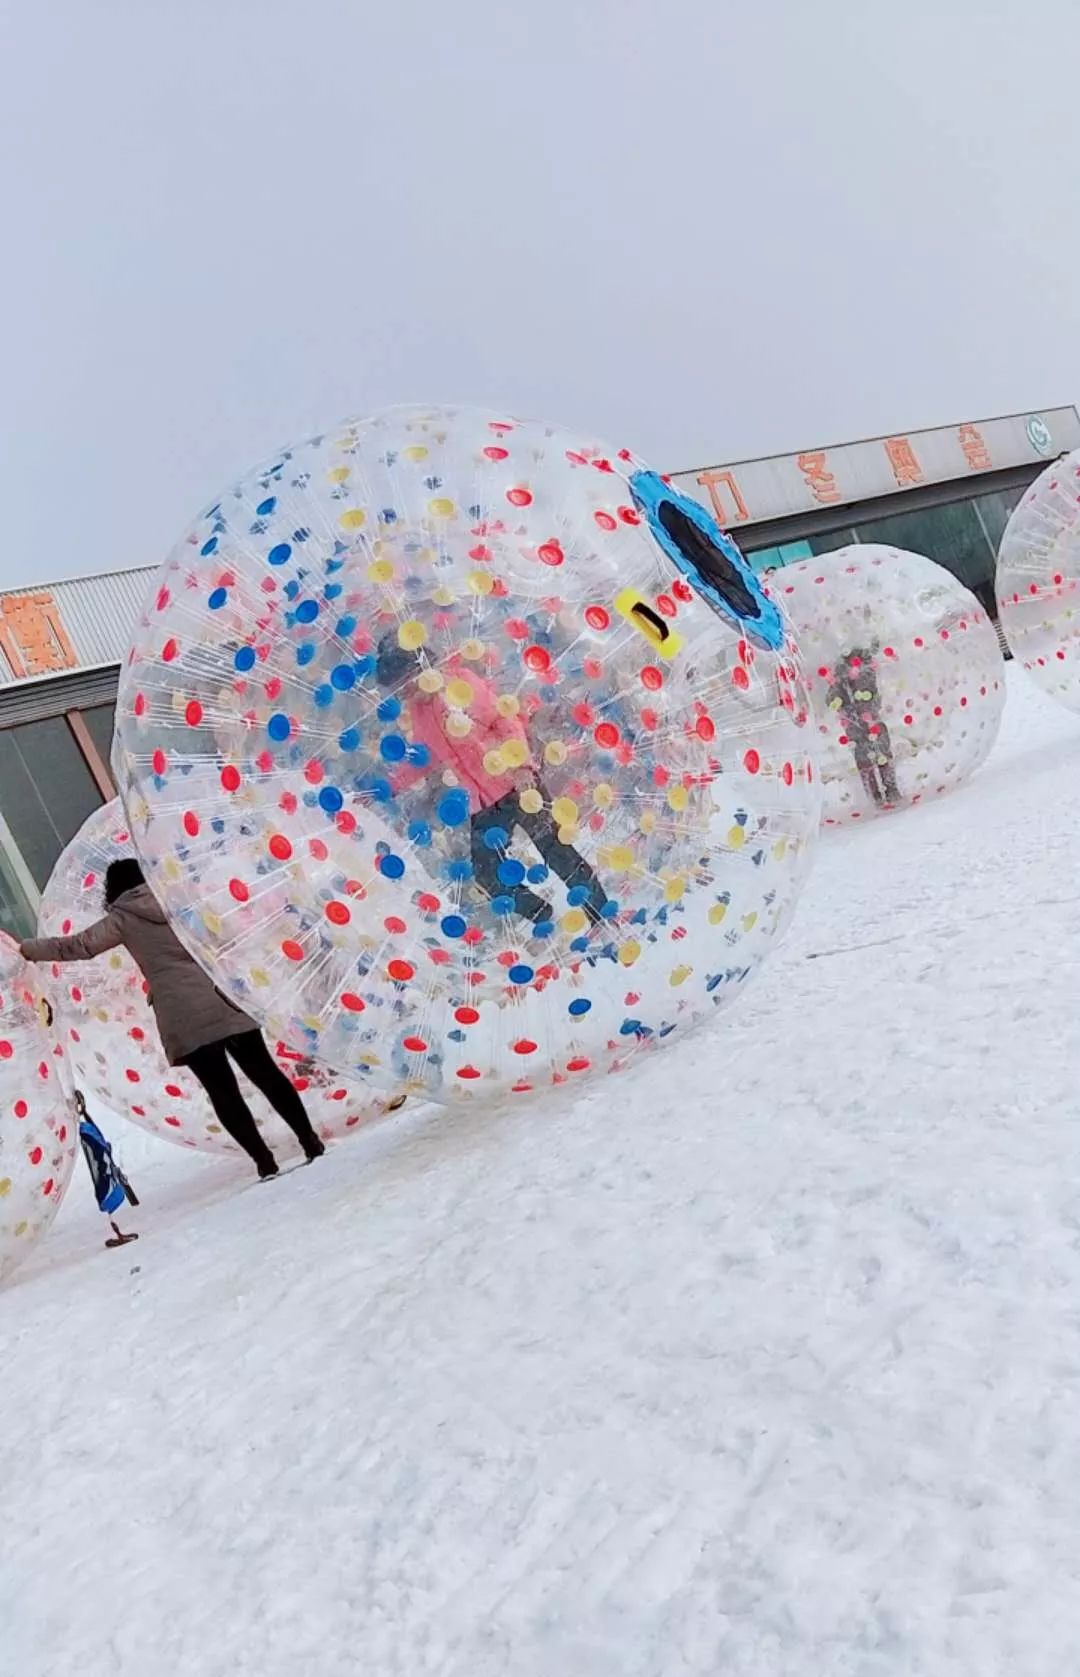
466	754
106	1023
1038	581
905	675
38	1130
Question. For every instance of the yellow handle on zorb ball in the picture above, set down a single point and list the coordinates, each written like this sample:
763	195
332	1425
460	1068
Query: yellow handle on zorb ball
648	622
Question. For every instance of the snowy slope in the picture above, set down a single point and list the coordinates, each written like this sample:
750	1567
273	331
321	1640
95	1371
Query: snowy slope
762	1360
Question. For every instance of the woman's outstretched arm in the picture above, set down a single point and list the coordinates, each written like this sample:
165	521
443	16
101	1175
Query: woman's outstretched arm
103	935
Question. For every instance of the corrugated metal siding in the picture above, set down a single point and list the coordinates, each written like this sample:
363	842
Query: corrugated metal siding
99	614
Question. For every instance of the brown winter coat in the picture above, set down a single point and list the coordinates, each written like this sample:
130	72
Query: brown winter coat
188	1009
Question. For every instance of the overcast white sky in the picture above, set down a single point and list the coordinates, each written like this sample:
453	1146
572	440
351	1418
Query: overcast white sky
710	228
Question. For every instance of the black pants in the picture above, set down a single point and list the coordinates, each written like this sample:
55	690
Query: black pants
561	858
248	1051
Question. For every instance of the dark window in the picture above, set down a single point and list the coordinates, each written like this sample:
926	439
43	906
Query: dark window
951	535
100	721
46	790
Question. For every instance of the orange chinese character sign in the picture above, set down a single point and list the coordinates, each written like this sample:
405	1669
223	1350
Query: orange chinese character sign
905	467
33	639
715	482
974	448
819	479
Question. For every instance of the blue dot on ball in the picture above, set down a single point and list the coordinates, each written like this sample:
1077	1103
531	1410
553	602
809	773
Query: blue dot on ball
458	869
331	591
343	677
543	928
349	739
217	599
511	872
521	974
577	895
453	809
365	666
453	926
392	866
502	905
330	799
323	696
537	874
307	611
279	555
244	658
496	838
209	547
389	710
305	652
346	625
265	508
392	748
578	1006
420	833
279	727
419	755
610	910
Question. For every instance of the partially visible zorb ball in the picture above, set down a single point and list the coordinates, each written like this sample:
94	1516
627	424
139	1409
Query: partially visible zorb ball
38	1129
106	1022
905	675
466	754
1038	580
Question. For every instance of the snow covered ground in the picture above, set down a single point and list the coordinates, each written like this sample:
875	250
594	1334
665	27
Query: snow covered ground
764	1359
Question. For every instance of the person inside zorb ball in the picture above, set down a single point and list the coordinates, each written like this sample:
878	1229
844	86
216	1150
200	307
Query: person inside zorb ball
1038	580
466	755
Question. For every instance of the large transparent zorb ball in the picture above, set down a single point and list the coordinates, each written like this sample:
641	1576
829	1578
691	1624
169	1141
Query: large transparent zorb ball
466	753
905	674
38	1130
1038	580
106	1023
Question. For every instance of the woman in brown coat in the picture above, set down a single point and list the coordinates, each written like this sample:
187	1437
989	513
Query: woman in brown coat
198	1027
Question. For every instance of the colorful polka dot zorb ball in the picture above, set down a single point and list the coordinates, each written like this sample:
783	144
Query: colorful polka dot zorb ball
1038	581
38	1131
905	673
107	1025
465	754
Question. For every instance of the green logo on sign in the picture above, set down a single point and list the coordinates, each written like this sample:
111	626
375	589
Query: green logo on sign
1038	433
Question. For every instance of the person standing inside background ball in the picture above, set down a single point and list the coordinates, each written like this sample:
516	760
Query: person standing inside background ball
199	1028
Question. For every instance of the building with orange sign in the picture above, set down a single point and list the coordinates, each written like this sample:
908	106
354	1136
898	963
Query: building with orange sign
946	492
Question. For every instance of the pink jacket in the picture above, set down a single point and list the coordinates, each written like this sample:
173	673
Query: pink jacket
428	714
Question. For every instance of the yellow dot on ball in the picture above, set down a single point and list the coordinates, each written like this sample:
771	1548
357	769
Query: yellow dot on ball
458	726
604	795
460	694
171	868
555	752
5	1187
212	922
21	1228
259	977
441	507
415	451
567	835
508	704
565	811
574	920
736	837
429	681
481	582
515	754
353	519
411	635
679	975
531	801
381	570
620	857
749	921
678	797
647	822
443	597
717	913
674	888
493	762
473	650
338	474
629	952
